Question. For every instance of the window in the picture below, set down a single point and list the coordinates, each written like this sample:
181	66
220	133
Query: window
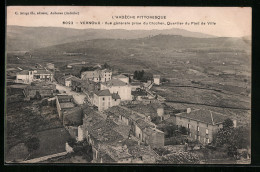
198	128
207	140
103	98
188	126
207	131
198	138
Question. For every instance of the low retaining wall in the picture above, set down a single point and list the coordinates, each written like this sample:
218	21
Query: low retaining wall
44	158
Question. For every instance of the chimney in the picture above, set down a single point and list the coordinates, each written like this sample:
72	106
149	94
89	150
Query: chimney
235	123
188	110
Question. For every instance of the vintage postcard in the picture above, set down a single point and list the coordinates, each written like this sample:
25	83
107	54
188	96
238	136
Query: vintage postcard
151	85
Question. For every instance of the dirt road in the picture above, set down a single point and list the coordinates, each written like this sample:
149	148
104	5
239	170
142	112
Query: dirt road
78	97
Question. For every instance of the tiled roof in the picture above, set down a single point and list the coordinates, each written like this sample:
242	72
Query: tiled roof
64	96
70	77
150	131
23	72
136	83
66	105
105	157
117	111
205	116
120	76
147	154
143	124
118	152
114	82
103	93
42	71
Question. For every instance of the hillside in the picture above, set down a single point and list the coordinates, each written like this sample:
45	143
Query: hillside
21	38
154	43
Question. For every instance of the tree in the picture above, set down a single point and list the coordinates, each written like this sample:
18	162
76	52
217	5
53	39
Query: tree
106	66
232	138
135	74
228	124
32	145
72	142
183	130
223	135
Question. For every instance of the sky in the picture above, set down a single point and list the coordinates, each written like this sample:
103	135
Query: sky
229	21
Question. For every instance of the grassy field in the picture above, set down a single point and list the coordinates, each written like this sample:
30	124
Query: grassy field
26	119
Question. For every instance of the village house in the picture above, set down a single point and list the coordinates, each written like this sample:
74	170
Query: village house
40	90
156	79
66	80
77	84
119	87
28	76
201	124
103	99
97	75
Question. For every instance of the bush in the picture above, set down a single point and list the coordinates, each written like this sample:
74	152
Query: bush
232	138
180	158
183	130
71	142
32	144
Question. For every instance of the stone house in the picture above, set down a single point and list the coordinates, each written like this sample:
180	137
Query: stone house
201	124
28	76
119	87
66	80
103	99
156	79
97	75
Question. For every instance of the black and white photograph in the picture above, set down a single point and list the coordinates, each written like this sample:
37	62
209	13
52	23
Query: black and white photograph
131	85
